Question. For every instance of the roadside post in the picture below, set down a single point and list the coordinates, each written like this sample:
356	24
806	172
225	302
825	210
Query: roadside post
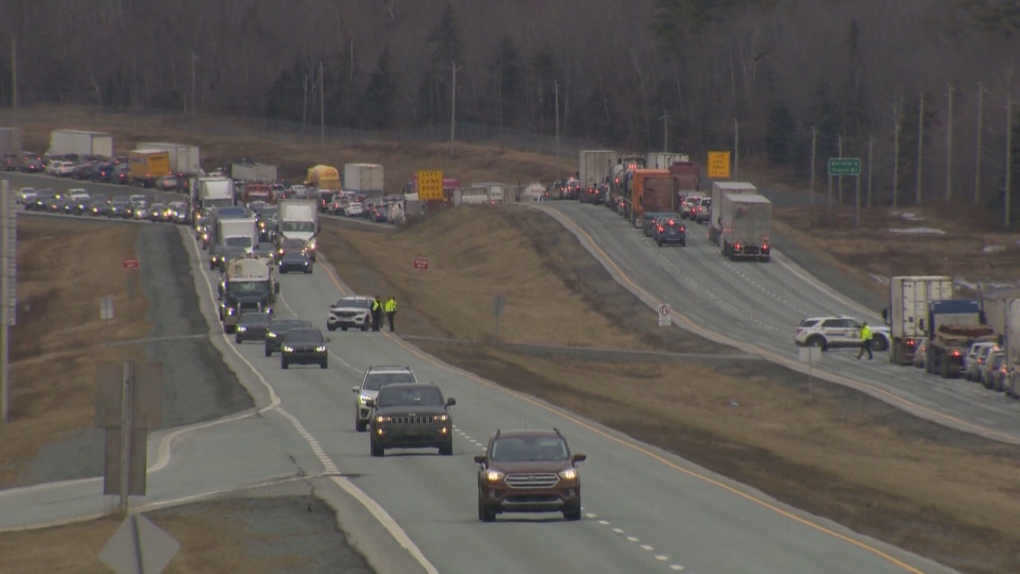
130	265
840	166
498	302
106	315
810	355
8	290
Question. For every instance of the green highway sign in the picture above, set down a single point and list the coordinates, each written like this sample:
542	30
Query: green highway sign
844	166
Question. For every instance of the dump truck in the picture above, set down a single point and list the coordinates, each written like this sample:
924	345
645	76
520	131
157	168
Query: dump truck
323	177
720	188
746	220
184	158
952	325
248	286
364	178
215	192
595	166
147	165
252	171
298	219
909	297
651	190
81	143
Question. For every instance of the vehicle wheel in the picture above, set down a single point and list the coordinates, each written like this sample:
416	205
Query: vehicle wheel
659	243
377	450
446	449
485	514
944	368
268	352
683	244
282	272
573	514
238	340
360	425
284	364
816	341
343	328
364	328
324	364
881	344
331	327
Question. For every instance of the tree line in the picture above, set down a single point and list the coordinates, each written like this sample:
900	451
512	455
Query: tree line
776	77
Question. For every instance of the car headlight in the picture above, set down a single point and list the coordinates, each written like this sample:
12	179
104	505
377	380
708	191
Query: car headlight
288	349
363	398
241	328
271	335
383	419
311	244
443	418
231	310
569	474
320	349
494	475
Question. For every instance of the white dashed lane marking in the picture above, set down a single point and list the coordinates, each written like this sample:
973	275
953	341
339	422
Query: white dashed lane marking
646	547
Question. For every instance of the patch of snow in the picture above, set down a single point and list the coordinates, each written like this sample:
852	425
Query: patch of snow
911	216
918	230
984	286
880	278
993	248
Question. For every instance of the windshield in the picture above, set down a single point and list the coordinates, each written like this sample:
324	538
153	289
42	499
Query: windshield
248	288
304	336
355	303
280	326
529	449
417	396
244	242
298	226
376	381
255	319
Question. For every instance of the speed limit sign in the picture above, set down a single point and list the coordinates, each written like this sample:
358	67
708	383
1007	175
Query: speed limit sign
665	319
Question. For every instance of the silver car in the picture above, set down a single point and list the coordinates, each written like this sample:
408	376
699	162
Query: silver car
975	359
375	379
991	368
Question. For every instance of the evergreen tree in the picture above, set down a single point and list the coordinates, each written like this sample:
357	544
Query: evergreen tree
380	93
507	71
286	95
446	38
779	134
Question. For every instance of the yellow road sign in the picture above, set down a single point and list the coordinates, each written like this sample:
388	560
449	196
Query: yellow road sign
430	185
719	164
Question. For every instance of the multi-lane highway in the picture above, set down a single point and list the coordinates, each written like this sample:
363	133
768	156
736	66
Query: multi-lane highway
757	306
644	510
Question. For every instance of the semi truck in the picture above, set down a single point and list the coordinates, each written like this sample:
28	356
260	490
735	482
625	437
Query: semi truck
952	325
686	176
147	165
364	178
184	158
298	219
253	171
323	177
595	166
720	188
215	192
248	286
80	142
651	190
746	220
241	233
909	297
664	159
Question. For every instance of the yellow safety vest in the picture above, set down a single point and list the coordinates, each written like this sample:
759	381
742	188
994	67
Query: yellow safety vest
391	306
865	333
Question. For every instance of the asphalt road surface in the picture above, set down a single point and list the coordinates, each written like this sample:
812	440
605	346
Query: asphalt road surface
644	509
757	307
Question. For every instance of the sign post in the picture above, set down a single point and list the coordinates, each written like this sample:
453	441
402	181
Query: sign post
131	266
498	302
809	355
665	317
8	290
430	185
840	166
719	164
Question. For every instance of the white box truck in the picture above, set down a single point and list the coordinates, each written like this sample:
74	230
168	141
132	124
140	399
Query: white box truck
252	171
215	192
184	158
298	219
909	297
746	220
364	178
242	233
664	159
719	189
595	166
80	142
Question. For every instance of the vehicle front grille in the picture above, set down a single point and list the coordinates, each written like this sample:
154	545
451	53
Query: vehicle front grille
345	314
532	480
249	307
414	420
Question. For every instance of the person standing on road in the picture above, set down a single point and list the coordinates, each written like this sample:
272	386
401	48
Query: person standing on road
865	341
377	311
391	310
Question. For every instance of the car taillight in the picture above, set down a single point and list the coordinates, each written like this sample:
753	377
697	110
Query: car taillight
683	228
764	246
911	342
660	228
956	353
737	246
799	330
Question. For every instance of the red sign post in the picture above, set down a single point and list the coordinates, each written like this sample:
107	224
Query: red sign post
130	263
421	263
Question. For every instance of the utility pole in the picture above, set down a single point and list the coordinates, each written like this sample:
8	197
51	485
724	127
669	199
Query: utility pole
194	103
814	142
871	165
14	77
453	107
6	312
736	149
977	160
949	145
126	424
322	111
556	92
839	181
665	131
920	146
1009	156
896	158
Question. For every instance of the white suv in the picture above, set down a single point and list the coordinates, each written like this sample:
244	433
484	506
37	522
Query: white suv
375	379
351	312
974	362
832	332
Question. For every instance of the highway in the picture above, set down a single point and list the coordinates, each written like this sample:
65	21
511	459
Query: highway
757	307
644	510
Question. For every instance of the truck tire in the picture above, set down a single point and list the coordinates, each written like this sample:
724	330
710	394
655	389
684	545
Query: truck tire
944	370
894	354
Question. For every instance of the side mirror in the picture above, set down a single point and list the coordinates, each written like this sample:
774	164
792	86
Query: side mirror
450	402
276	288
370	403
580	457
355	389
480	458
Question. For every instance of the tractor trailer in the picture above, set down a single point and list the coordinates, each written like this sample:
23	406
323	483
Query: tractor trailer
909	297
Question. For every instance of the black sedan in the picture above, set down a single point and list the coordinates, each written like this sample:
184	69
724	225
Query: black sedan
252	327
278	330
295	261
121	207
304	347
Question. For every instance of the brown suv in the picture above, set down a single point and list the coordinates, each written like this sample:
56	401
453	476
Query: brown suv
528	471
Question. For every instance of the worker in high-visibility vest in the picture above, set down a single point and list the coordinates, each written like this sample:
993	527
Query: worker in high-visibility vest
391	310
865	341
